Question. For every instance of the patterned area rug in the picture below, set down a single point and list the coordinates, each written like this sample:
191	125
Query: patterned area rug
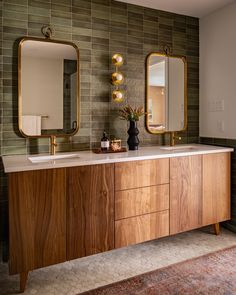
213	273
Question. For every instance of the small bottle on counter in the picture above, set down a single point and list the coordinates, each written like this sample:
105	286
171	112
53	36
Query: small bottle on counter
105	144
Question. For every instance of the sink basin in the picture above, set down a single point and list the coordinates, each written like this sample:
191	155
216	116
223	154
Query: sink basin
38	159
179	148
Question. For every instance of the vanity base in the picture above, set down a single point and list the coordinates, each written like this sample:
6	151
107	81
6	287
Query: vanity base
24	275
23	281
132	202
216	228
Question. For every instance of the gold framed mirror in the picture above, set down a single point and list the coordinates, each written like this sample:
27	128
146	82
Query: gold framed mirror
166	93
48	88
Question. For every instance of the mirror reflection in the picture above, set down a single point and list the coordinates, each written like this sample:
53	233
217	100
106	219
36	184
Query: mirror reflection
48	89
165	93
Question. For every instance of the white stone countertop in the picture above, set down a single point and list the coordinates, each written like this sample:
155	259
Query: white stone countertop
17	163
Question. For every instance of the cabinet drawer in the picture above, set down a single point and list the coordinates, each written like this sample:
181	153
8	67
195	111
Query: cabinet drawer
141	228
140	201
137	174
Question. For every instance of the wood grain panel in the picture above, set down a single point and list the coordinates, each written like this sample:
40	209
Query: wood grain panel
216	188
137	174
185	193
140	201
37	219
90	215
141	228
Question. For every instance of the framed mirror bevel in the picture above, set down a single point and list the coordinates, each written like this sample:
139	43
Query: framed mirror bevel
21	41
147	92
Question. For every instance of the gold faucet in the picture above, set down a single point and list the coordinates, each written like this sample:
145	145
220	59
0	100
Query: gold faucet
173	137
53	144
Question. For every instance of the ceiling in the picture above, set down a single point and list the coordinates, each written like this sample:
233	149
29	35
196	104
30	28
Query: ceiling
197	8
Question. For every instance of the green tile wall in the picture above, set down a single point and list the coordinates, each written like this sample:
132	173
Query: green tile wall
100	28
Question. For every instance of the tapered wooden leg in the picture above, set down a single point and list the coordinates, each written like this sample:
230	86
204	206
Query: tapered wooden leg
216	228
23	281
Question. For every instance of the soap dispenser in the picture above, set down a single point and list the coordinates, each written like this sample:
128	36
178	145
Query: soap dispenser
105	144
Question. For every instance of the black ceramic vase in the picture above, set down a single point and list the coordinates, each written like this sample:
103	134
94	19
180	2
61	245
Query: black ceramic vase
133	140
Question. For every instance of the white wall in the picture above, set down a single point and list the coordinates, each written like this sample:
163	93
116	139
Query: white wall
176	94
218	74
42	90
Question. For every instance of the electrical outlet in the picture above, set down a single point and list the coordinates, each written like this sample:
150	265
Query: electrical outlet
220	105
221	125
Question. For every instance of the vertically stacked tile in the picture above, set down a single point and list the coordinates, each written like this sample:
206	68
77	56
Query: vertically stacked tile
61	19
179	47
151	31
39	14
192	52
100	87
179	35
135	61
14	26
1	75
118	44
82	35
150	44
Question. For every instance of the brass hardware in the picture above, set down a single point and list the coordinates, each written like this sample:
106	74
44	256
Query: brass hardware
117	96
166	49
47	31
20	87
53	145
117	78
173	137
117	60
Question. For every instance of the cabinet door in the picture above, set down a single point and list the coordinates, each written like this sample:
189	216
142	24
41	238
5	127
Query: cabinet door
90	215
37	219
185	193
216	188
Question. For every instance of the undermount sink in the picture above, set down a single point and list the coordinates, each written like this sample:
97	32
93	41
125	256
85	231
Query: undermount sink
179	148
38	159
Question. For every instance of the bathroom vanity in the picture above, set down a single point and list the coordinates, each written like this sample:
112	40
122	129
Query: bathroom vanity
70	208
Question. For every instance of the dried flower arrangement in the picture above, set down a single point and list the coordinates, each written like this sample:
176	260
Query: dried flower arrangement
131	114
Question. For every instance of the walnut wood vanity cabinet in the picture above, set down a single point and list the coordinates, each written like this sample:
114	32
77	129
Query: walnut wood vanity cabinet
141	201
66	213
90	210
199	191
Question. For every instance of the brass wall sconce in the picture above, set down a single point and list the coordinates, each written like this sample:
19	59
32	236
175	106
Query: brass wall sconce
117	78
118	95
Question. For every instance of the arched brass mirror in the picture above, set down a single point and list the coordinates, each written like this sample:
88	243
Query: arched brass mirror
48	88
166	93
